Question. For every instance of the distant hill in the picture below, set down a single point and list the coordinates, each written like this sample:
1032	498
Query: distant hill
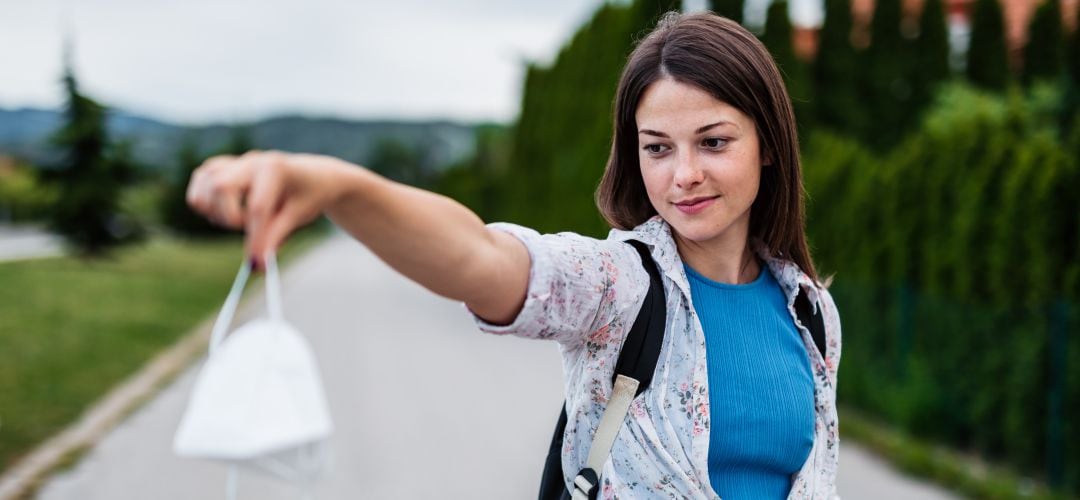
24	133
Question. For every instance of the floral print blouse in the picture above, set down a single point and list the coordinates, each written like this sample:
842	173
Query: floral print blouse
585	293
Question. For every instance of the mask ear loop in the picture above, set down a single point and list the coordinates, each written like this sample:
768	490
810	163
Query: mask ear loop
273	287
225	317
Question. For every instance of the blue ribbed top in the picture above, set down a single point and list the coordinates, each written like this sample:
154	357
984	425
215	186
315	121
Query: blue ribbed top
761	392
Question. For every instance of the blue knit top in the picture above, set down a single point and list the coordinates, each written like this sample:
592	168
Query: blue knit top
761	392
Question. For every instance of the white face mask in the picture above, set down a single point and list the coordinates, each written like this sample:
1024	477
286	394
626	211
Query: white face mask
258	400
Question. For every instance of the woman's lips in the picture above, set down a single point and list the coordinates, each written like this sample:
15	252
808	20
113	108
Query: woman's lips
694	206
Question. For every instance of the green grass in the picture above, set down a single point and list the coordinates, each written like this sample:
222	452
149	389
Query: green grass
71	329
963	474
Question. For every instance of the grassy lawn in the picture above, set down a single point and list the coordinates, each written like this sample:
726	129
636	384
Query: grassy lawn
70	330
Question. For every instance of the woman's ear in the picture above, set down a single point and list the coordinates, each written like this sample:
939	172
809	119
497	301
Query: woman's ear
766	160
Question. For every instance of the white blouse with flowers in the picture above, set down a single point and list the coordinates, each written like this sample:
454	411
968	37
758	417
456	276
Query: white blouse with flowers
585	293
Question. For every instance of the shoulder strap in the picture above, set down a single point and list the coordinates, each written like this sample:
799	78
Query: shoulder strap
637	360
813	322
641	349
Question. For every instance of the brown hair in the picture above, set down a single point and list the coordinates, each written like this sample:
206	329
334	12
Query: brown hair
723	59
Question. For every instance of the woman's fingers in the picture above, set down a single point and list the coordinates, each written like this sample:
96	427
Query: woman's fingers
265	201
216	190
259	192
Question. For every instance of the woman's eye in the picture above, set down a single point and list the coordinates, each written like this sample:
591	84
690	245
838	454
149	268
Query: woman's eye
714	142
655	148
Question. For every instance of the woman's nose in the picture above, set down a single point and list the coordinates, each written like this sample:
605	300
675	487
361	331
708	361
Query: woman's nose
687	171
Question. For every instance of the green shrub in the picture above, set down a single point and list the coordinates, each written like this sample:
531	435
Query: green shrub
955	255
23	198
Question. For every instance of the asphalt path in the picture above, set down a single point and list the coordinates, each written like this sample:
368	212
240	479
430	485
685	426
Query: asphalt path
424	406
28	242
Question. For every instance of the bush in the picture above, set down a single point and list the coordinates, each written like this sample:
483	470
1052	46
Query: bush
23	198
959	255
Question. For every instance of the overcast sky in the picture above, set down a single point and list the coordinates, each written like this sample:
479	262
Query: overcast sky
195	61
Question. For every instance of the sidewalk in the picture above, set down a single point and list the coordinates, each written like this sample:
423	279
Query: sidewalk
424	405
25	242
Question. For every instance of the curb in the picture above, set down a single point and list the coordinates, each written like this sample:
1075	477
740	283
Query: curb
21	480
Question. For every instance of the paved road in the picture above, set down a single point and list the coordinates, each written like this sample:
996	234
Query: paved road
424	406
25	242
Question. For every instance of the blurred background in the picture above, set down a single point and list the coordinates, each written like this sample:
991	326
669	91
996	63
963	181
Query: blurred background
941	154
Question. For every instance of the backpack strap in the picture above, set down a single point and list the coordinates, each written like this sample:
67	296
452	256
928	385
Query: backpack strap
814	322
637	360
641	349
633	374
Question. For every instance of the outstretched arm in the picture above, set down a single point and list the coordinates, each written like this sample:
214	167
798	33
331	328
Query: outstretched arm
431	239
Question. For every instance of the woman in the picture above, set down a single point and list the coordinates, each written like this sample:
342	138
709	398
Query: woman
704	169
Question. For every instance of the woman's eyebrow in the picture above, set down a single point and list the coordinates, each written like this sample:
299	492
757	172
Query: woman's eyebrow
711	125
698	131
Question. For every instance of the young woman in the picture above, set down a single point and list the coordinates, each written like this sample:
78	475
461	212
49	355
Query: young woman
704	169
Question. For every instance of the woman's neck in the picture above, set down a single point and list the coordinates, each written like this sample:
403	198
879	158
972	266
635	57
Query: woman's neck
724	259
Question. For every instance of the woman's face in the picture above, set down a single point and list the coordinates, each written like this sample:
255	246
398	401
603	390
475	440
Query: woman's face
700	161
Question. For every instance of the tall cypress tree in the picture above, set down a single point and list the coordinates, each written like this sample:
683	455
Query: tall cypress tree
1070	106
1044	53
888	84
89	177
731	9
649	11
1072	51
174	208
836	94
987	61
563	135
777	38
931	54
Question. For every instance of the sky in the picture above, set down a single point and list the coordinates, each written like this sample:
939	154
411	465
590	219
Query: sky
198	61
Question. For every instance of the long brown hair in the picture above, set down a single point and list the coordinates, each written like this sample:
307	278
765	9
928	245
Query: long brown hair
723	59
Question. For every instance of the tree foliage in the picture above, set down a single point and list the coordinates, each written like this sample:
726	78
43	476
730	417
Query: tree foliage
778	39
562	139
89	177
731	9
888	83
175	210
837	103
951	252
987	60
931	54
1044	54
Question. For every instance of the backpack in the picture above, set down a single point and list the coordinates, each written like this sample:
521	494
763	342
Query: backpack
633	374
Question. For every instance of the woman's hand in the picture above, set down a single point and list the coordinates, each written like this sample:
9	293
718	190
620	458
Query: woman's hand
269	194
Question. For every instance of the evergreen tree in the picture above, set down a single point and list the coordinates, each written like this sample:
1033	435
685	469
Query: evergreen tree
836	93
888	84
931	54
777	38
987	60
398	161
563	136
89	177
649	11
1070	105
731	9
1072	51
1044	52
175	210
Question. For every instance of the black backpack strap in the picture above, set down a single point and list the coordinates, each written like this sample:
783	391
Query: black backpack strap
637	359
814	322
552	486
641	349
